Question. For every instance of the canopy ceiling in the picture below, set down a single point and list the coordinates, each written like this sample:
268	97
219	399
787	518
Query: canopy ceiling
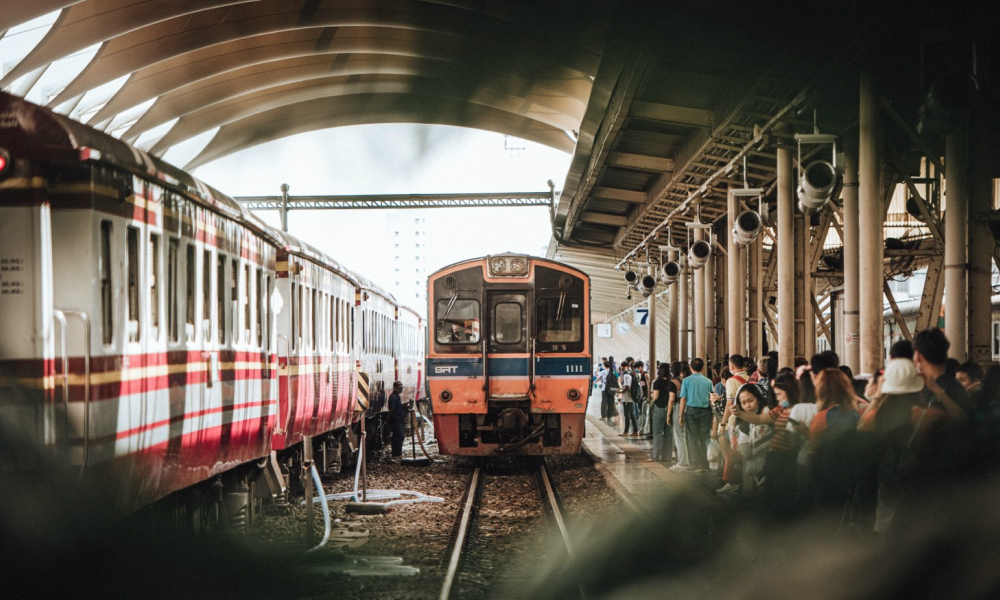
257	70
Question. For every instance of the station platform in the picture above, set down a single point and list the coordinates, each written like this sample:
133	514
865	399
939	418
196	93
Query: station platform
627	465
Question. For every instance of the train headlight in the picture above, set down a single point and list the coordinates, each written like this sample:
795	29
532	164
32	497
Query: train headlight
4	162
445	396
573	394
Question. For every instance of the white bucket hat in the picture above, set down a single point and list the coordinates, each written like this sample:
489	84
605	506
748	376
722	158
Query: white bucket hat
901	377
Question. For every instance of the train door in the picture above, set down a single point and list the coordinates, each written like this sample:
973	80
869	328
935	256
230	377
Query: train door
507	345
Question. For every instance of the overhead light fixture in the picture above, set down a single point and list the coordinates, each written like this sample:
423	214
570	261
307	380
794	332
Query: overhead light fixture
647	285
820	181
670	272
632	279
949	101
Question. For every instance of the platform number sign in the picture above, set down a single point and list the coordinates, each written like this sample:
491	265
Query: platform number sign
641	315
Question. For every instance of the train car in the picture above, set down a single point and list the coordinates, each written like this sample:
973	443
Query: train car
160	337
509	356
909	309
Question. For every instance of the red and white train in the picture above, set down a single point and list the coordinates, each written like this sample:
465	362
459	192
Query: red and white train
162	338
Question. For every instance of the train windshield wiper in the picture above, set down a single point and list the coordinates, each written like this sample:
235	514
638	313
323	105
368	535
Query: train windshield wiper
559	310
451	303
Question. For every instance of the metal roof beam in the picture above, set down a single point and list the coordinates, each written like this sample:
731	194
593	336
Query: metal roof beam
590	216
396	201
641	162
610	193
672	113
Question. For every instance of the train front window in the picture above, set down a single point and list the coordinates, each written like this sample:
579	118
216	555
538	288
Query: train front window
559	320
457	321
507	323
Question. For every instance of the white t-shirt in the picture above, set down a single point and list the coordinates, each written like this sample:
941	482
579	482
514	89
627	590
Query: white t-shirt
804	413
625	384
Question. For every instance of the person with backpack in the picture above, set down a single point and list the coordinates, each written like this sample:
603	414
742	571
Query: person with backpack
608	410
832	438
673	420
732	474
628	403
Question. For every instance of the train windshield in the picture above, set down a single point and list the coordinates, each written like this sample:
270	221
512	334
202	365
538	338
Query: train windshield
457	321
559	319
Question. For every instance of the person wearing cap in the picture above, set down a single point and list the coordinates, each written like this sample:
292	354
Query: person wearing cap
397	419
891	418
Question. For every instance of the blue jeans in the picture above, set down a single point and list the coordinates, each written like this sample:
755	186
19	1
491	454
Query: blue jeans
662	442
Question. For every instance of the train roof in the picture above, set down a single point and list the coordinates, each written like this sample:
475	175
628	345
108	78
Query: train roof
29	126
528	256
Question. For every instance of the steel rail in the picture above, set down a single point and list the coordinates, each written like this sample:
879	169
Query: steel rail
463	529
550	494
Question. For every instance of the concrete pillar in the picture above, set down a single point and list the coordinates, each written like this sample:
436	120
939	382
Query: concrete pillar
699	304
651	360
721	309
983	161
675	315
956	240
786	258
682	285
735	273
798	250
709	295
808	289
852	347
871	244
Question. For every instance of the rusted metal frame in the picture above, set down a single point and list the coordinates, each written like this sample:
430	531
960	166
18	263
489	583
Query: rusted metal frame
769	319
905	128
817	241
822	322
734	162
930	298
835	214
614	117
895	310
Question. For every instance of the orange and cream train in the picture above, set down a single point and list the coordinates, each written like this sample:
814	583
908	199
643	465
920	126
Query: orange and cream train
160	337
509	356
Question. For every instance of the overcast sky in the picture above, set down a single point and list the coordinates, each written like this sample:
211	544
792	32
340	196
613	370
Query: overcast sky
398	159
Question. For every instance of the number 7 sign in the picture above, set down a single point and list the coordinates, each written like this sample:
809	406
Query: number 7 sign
641	314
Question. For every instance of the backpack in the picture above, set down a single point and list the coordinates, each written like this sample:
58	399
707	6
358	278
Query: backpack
611	382
634	388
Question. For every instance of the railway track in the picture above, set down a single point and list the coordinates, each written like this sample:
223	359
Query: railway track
469	527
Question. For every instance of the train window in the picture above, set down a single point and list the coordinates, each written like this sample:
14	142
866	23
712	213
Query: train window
507	323
265	304
996	339
315	320
335	322
559	319
259	297
295	318
247	318
191	281
298	331
220	298
132	240
457	321
234	298
107	314
173	249
154	283
206	294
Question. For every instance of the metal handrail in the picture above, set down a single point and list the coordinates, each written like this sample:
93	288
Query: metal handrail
86	383
288	382
534	359
486	372
59	316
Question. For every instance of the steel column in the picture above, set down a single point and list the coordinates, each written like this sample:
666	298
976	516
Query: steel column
709	294
699	304
801	301
852	347
981	241
870	227
651	361
734	272
956	239
682	285
675	315
284	207
808	289
786	260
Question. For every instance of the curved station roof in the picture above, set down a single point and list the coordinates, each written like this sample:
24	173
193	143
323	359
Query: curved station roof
159	73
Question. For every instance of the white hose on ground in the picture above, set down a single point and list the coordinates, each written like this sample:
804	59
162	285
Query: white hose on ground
357	470
326	508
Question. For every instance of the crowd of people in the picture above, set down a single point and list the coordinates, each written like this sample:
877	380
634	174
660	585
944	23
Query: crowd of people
794	439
